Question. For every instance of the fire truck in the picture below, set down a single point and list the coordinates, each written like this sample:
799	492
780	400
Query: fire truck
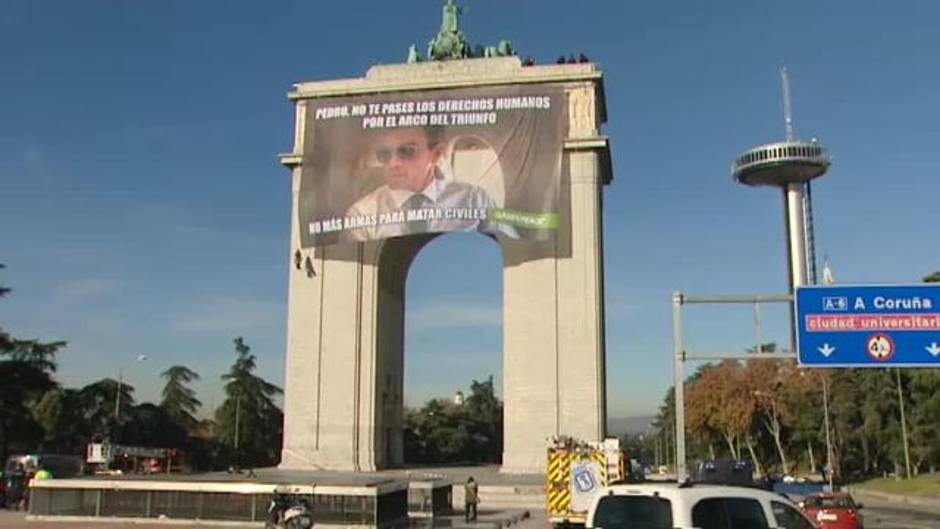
107	458
577	470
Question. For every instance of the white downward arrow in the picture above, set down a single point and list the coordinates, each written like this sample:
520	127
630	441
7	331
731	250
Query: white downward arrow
933	349
826	349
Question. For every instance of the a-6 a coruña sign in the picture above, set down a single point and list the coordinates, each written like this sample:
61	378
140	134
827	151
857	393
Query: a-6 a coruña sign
868	326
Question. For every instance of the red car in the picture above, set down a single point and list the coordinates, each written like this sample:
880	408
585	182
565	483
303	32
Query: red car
832	510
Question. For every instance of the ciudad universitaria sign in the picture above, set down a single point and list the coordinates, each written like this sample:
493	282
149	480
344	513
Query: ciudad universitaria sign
868	325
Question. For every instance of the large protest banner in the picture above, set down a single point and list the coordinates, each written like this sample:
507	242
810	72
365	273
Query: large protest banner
486	159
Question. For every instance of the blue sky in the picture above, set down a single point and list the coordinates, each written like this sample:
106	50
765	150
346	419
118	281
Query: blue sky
144	211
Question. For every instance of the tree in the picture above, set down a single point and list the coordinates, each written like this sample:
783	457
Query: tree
151	425
62	416
6	341
444	432
924	392
704	399
664	423
26	368
99	402
771	382
808	427
485	416
720	402
249	422
22	385
179	400
447	437
881	416
33	352
926	413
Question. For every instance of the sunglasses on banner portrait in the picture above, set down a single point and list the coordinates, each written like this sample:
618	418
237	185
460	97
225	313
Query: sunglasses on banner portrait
406	153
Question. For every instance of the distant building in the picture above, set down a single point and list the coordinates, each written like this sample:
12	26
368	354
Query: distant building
458	398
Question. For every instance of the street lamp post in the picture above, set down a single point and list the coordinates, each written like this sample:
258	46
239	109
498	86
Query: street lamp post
237	434
117	397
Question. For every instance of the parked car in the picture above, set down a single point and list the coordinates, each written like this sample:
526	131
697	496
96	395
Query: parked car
833	510
60	465
687	506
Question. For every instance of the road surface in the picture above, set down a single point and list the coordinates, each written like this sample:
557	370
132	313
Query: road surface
880	517
876	517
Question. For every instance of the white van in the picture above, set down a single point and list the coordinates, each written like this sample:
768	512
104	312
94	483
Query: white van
689	506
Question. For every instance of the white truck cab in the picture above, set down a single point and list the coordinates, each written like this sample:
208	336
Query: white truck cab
689	506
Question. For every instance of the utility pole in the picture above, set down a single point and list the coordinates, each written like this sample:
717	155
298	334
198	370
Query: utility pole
117	396
238	403
907	453
656	445
670	446
829	469
681	355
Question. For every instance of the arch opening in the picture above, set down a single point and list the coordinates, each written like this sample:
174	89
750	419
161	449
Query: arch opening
440	382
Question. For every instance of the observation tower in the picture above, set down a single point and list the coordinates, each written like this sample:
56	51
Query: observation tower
790	165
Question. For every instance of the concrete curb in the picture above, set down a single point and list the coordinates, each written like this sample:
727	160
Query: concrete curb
914	503
507	496
491	521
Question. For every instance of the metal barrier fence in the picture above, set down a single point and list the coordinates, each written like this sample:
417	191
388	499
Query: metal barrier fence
377	505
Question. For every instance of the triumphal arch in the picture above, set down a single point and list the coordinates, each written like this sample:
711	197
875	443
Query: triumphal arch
384	163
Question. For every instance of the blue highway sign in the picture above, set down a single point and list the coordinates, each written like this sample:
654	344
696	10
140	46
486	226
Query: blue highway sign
868	326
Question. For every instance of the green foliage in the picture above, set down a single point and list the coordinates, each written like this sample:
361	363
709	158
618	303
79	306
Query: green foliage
151	425
22	385
205	454
863	408
99	402
443	432
923	389
62	415
37	414
933	278
179	400
38	354
924	486
256	438
26	368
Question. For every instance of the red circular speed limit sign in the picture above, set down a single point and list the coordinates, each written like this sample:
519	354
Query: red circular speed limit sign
880	347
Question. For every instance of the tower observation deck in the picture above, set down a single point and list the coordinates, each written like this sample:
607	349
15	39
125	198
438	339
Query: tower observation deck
781	163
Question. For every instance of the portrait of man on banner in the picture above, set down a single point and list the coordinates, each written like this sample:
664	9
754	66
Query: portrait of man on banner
417	185
485	160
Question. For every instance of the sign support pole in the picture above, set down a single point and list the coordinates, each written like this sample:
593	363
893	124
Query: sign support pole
678	384
907	452
681	356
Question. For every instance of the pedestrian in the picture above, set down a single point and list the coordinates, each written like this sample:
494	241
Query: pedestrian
43	474
471	498
24	496
15	486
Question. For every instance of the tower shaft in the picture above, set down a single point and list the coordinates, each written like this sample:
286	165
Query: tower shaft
796	245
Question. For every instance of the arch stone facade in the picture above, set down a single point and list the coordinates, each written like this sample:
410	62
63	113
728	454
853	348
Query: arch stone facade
345	336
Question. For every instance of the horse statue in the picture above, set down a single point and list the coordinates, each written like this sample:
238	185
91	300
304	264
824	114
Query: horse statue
450	42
